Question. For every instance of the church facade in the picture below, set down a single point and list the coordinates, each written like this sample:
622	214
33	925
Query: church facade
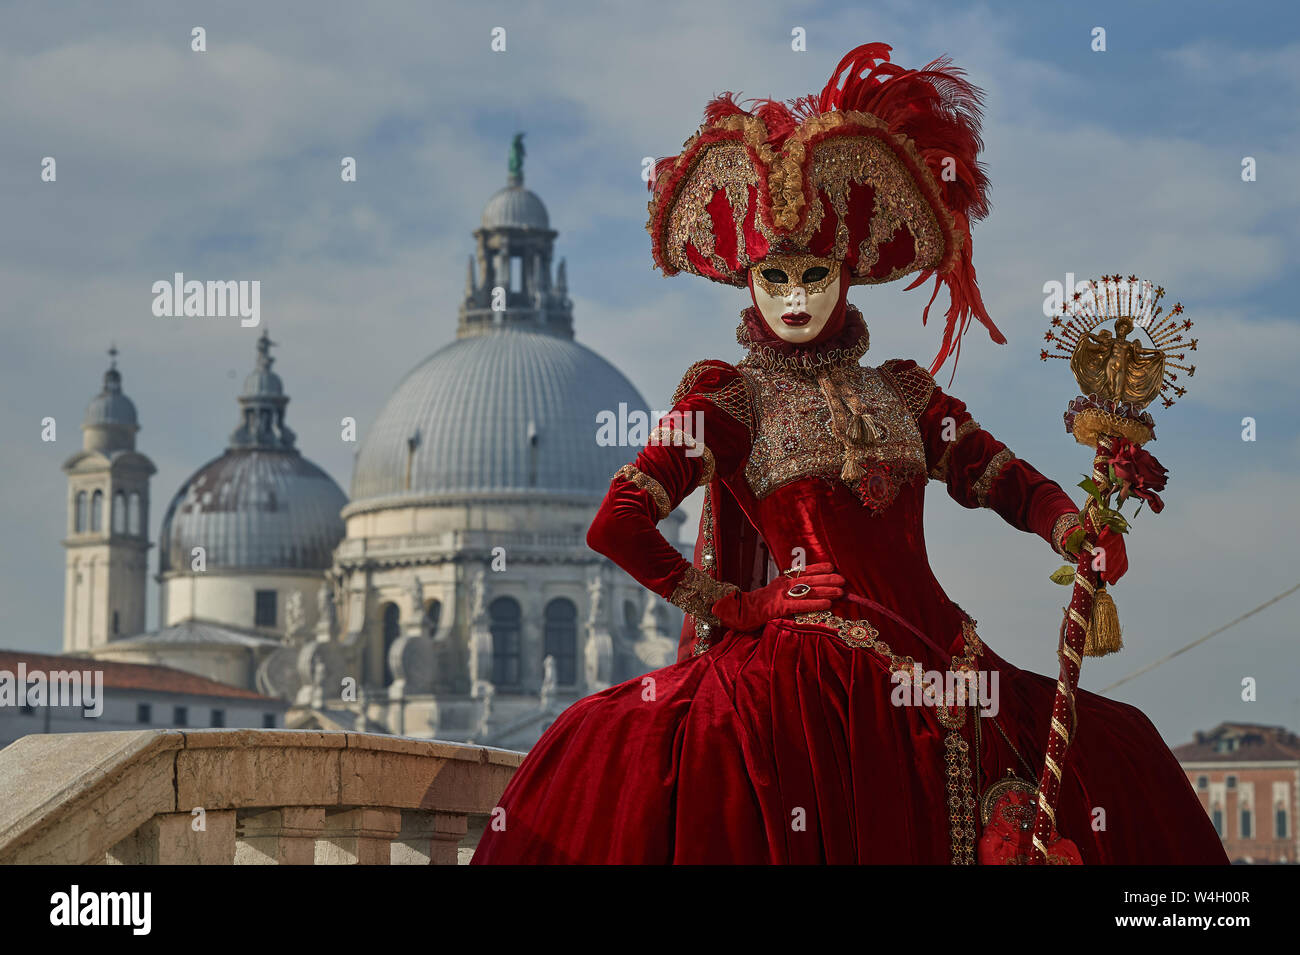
451	594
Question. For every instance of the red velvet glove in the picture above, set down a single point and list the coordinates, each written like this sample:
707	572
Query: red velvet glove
751	611
1115	563
1115	558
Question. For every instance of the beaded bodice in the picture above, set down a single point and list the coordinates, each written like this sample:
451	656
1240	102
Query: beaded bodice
845	422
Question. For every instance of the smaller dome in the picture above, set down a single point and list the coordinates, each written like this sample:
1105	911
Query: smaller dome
254	509
515	207
261	505
110	408
110	422
263	381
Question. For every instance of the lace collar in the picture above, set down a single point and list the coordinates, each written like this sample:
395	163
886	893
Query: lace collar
767	351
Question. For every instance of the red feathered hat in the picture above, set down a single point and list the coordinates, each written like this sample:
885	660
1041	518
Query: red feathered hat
881	174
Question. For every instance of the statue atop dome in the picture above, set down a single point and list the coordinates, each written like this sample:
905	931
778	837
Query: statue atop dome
515	164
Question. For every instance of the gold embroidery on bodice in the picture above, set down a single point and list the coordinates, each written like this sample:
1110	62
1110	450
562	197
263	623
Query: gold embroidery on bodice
800	434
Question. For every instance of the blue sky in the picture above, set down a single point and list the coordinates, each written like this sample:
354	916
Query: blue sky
225	165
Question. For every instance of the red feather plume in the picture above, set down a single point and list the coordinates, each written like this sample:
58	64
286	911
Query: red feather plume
940	111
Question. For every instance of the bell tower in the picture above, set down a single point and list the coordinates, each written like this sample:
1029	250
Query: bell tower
107	539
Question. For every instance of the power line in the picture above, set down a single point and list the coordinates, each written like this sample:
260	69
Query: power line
1194	643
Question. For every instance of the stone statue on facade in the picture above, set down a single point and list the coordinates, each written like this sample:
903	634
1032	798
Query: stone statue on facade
549	682
598	649
295	616
326	613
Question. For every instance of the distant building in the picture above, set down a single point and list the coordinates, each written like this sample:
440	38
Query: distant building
135	697
453	596
1248	778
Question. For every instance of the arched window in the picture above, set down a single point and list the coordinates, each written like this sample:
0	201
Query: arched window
119	513
503	614
80	520
392	630
432	614
134	516
561	639
97	511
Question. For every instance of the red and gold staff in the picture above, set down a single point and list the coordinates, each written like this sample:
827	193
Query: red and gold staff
1119	377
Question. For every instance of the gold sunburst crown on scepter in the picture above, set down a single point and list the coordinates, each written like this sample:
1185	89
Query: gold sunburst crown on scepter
1119	375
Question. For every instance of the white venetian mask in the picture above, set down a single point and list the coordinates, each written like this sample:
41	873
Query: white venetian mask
796	294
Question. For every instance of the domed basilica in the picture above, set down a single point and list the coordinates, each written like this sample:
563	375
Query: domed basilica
452	596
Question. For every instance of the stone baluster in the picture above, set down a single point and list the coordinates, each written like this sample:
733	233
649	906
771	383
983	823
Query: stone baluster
279	836
361	836
429	838
171	839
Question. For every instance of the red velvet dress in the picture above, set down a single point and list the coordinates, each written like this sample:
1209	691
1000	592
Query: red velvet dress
790	745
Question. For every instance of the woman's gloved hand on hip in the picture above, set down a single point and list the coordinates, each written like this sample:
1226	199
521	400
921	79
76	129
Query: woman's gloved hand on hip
813	589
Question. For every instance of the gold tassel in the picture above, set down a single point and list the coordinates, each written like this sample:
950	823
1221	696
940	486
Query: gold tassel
852	471
1103	630
855	429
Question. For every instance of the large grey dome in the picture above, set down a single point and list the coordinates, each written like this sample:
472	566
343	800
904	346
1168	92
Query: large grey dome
515	207
254	509
504	411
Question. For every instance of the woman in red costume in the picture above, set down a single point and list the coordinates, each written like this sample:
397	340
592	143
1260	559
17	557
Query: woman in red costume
795	725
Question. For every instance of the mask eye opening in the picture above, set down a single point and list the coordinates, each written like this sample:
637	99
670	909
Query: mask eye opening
816	274
775	276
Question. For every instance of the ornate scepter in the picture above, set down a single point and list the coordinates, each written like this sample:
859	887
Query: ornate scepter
1119	377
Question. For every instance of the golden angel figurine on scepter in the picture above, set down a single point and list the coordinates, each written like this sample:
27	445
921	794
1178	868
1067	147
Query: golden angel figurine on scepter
1118	367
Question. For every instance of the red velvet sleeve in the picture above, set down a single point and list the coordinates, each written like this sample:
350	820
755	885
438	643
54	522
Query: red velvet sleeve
706	434
978	469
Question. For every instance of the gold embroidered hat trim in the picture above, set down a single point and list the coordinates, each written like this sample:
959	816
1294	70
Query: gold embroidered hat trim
812	175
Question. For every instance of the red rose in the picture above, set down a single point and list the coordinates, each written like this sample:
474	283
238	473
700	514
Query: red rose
1139	473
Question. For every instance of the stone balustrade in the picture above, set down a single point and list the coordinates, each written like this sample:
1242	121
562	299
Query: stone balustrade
245	797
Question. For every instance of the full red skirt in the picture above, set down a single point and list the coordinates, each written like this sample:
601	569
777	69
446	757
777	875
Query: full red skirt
785	747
